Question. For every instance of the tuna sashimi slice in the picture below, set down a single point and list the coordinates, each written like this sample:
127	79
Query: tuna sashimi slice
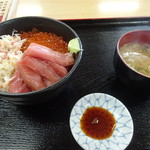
46	53
17	85
42	69
30	77
46	81
60	70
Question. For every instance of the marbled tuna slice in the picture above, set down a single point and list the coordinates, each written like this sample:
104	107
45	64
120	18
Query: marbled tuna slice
42	69
30	77
46	81
46	53
17	85
59	70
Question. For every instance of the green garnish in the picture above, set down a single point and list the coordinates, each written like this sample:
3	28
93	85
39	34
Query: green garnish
74	46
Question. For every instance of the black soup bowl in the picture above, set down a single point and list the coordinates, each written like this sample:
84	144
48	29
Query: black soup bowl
46	25
130	77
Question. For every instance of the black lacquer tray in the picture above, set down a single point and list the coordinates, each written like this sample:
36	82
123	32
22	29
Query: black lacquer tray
46	127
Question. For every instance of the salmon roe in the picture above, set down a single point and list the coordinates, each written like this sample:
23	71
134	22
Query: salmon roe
50	40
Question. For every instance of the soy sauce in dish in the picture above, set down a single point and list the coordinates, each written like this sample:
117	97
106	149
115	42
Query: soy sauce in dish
97	123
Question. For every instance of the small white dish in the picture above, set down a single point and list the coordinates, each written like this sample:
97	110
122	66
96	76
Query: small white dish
123	132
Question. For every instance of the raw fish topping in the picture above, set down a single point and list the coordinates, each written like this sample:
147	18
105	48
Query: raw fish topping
32	60
40	67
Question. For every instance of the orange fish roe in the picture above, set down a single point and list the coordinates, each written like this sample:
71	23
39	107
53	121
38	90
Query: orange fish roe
50	40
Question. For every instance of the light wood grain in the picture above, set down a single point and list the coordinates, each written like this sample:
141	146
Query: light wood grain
79	9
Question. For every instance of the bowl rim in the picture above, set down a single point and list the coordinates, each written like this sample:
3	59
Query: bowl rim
118	51
79	54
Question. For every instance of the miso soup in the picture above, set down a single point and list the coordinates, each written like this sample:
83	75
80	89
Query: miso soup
137	56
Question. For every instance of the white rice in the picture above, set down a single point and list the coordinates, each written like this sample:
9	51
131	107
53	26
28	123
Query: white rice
10	54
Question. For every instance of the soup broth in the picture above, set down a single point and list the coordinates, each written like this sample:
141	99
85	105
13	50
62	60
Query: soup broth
137	56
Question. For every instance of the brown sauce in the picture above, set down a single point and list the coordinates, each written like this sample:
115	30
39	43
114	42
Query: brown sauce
97	123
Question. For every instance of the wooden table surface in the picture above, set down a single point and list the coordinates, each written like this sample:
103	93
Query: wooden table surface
81	9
